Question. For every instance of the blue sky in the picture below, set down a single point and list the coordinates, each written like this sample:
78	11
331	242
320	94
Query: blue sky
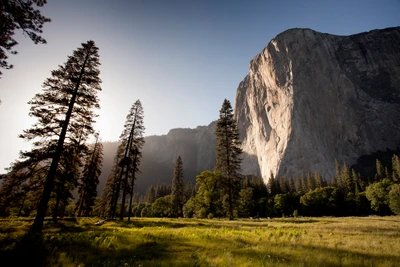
180	58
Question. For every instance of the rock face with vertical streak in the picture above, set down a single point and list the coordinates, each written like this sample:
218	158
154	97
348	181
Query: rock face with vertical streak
311	98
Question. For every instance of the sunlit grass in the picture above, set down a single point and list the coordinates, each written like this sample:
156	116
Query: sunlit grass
369	241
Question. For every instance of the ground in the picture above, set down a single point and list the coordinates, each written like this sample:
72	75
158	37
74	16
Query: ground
328	241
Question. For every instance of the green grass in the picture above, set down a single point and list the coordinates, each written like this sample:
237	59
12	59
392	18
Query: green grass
369	241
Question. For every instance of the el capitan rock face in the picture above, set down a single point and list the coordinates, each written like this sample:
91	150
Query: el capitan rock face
311	98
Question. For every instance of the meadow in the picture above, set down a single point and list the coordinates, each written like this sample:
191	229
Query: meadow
328	241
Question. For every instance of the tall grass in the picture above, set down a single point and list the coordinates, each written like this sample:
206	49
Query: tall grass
369	241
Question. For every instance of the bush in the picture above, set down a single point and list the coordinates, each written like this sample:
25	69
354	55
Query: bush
147	211
378	195
284	203
295	213
162	207
202	213
394	199
321	201
189	209
246	203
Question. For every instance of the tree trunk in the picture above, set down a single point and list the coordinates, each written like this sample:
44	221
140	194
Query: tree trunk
22	205
49	182
228	166
124	184
87	207
80	207
133	183
55	210
114	206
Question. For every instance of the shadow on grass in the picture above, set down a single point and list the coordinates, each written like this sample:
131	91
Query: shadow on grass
166	224
65	228
28	250
146	251
66	244
176	223
301	221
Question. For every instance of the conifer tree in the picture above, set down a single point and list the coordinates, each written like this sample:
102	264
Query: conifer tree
319	182
396	168
132	140
345	181
333	182
304	184
272	185
90	178
380	171
228	153
109	191
162	190
150	196
299	186
292	187
177	191
311	183
65	114
19	14
284	185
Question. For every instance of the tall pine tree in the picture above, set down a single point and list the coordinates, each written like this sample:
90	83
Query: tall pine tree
109	191
90	178
228	154
132	141
65	114
135	149
177	194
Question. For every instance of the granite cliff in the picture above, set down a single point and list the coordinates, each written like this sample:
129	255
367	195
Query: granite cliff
311	98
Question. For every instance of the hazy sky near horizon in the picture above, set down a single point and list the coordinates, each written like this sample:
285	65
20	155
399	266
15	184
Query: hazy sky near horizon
181	58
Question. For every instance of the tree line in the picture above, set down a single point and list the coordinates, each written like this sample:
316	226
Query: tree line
346	194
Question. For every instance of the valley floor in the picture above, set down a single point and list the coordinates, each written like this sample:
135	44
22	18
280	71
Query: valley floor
328	241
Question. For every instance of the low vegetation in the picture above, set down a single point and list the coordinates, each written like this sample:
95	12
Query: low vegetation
327	241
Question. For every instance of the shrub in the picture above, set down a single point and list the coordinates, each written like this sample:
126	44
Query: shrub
147	211
378	195
295	213
321	201
162	207
189	208
394	199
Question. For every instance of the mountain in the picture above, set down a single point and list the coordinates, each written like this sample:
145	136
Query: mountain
312	98
195	146
309	99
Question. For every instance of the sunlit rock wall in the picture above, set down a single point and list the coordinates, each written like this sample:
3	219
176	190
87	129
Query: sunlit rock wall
311	98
